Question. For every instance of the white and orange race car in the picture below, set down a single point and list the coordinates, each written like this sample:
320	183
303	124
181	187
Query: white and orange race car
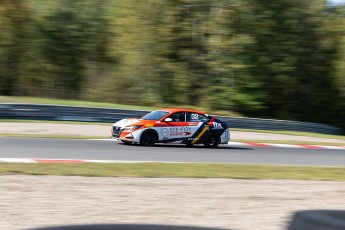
181	126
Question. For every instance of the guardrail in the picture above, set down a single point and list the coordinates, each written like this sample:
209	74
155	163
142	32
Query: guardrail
75	113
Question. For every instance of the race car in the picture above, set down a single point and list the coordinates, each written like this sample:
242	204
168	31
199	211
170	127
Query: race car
172	125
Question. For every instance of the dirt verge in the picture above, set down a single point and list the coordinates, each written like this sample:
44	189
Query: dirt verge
36	201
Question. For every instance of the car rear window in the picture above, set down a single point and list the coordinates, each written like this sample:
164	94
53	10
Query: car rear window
196	117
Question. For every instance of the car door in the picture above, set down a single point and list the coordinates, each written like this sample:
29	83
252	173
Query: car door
178	128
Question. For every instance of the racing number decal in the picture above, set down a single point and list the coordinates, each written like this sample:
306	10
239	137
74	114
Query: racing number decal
194	116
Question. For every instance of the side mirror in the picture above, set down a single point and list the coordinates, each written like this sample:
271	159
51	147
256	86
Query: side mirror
168	119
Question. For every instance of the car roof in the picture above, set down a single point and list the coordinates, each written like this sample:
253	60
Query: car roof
174	110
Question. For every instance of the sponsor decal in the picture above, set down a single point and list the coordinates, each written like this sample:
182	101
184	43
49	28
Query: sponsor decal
180	131
192	139
165	132
216	125
180	134
149	125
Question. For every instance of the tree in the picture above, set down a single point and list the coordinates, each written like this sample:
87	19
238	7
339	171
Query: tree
15	21
71	34
291	56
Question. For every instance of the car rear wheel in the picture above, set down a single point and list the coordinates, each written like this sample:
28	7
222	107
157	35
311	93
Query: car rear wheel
212	140
148	138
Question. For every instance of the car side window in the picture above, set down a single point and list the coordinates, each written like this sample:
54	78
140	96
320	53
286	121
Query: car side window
178	117
196	117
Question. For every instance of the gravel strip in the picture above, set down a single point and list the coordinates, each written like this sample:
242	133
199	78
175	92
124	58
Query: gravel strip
36	201
104	130
54	129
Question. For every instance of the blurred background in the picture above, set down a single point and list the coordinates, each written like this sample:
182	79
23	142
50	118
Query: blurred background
260	58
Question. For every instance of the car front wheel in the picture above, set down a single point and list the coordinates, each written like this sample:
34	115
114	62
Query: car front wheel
126	142
148	138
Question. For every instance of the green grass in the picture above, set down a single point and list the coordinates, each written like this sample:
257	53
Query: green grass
175	170
35	100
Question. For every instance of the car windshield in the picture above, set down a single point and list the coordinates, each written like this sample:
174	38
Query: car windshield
155	115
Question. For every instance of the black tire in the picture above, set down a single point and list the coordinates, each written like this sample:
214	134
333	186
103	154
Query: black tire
212	140
148	138
126	142
189	145
318	220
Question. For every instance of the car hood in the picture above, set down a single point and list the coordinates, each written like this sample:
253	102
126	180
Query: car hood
125	122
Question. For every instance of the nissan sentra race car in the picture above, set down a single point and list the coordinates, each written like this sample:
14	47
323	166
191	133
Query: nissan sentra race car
180	126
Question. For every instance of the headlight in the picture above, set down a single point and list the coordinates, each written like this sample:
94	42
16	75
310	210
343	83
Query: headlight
132	127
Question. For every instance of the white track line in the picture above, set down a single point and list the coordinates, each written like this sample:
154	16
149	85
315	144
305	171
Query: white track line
257	144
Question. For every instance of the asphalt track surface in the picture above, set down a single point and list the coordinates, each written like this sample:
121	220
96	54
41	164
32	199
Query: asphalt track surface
46	148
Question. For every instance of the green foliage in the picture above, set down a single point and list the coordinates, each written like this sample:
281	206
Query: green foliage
277	59
72	35
15	41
